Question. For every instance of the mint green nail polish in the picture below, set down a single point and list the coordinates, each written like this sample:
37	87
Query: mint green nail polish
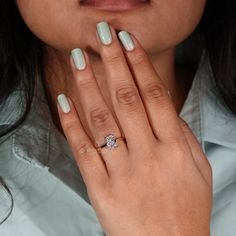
104	33
63	102
78	58
126	40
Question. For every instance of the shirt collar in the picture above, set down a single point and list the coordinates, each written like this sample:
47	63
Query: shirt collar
205	112
38	143
30	141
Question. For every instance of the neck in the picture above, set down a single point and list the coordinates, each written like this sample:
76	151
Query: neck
58	78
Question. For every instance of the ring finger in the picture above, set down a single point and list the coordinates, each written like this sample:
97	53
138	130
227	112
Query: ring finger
99	118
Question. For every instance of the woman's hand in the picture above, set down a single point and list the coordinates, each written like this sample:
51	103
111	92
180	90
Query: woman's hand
158	182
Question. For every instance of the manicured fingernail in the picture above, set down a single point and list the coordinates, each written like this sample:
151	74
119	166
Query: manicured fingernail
126	40
104	33
63	102
78	58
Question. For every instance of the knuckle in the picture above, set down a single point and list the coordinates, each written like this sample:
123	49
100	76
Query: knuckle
154	92
69	125
83	149
112	58
138	58
127	96
99	116
85	82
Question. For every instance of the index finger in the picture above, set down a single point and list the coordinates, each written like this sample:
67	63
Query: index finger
90	163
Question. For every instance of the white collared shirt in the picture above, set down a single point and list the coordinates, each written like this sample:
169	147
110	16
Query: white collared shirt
50	197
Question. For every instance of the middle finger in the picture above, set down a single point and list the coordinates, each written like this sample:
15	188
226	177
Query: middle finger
125	97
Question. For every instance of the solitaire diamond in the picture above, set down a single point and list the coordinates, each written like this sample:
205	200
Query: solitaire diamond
111	141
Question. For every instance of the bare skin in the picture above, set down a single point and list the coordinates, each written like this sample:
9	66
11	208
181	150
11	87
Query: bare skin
67	24
54	86
159	181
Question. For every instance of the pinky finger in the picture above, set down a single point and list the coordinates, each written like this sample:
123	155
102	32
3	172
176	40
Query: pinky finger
200	159
90	163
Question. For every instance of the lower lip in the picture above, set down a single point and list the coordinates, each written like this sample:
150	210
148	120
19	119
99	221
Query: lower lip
114	5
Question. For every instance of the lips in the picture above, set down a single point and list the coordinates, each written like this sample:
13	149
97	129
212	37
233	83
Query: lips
114	5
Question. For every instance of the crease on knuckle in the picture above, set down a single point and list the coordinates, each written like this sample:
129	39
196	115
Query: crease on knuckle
127	96
85	82
69	125
154	92
83	149
138	58
99	116
112	58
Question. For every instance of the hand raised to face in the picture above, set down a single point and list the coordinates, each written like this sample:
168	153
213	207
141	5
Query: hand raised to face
157	181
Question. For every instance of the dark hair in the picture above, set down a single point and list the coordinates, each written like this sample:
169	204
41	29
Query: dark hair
218	27
20	58
21	53
20	61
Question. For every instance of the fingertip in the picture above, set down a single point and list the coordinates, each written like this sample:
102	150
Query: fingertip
126	40
63	102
